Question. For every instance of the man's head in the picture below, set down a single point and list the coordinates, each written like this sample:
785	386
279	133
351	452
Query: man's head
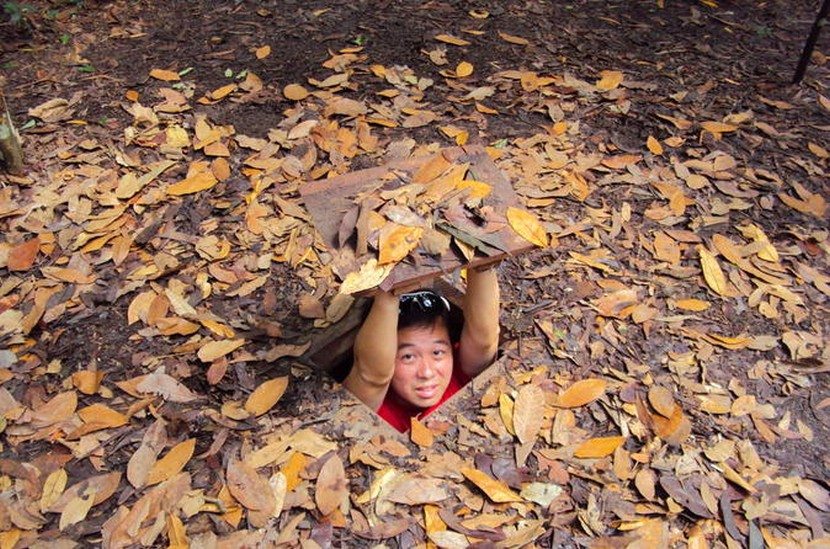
424	360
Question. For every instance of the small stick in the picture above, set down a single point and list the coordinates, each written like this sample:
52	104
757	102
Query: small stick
820	21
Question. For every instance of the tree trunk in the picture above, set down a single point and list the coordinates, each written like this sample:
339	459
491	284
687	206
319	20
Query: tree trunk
10	148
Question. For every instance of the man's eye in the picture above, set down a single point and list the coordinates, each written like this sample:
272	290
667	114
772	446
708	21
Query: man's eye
439	352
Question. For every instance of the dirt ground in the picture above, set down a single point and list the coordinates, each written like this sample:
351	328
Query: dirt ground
692	138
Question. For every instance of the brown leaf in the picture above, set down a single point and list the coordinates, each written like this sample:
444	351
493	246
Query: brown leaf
645	483
172	463
87	381
103	486
581	393
266	396
332	490
661	400
167	387
295	92
609	80
59	408
454	40
518	40
22	256
528	413
142	460
250	489
712	272
199	181
396	241
165	75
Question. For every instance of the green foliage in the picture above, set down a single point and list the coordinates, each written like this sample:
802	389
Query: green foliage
17	13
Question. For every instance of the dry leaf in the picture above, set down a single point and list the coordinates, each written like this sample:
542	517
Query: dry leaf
527	226
712	272
262	52
332	490
295	92
717	127
22	256
396	241
518	40
53	487
420	433
216	349
248	487
172	463
165	75
463	69
662	400
369	276
528	413
176	535
654	146
581	393
143	459
453	40
598	447
609	80
76	509
199	181
496	490
160	383
266	396
87	381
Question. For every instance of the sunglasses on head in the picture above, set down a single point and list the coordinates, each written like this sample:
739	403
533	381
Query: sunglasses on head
425	300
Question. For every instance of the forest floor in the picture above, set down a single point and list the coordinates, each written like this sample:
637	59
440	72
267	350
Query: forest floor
664	377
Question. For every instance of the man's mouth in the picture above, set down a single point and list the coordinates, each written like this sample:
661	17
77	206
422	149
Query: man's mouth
426	392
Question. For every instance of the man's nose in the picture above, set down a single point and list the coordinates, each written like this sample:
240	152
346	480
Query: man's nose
426	368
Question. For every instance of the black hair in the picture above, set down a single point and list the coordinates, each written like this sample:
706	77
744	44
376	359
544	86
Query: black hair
424	308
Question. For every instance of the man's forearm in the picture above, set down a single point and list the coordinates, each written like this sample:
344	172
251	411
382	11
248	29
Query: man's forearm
481	307
376	342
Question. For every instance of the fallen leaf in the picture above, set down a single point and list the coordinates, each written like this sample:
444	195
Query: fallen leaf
87	381
396	241
76	509
165	75
518	40
527	226
266	396
197	182
248	487
463	69
496	490
332	491
369	276
712	272
176	535
53	487
528	413
717	127
420	433
654	146
160	383
598	447
172	463
453	40
262	52
581	393
662	400
212	350
609	80
295	92
22	256
143	459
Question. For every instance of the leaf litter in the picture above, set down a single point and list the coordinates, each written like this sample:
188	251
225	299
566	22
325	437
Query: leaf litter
676	300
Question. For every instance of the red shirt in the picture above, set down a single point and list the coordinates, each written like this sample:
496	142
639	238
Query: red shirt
397	413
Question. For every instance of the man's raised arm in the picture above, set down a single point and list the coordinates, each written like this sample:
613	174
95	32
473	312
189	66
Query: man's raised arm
374	352
480	336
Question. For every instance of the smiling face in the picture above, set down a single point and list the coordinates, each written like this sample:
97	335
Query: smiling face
423	364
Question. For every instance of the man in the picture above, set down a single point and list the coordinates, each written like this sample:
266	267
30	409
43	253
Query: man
405	362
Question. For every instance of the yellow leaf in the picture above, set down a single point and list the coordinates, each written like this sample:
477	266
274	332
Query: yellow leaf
172	463
818	150
478	189
396	241
527	226
692	304
609	80
76	509
767	251
165	75
176	534
87	381
215	349
582	392
420	433
369	276
665	248
222	92
103	415
295	92
518	40
598	447
453	40
199	181
506	412
266	395
463	69
53	487
177	137
496	490
654	146
718	127
262	52
712	272
621	161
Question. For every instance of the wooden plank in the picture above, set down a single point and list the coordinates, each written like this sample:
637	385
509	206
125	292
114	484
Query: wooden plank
330	200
